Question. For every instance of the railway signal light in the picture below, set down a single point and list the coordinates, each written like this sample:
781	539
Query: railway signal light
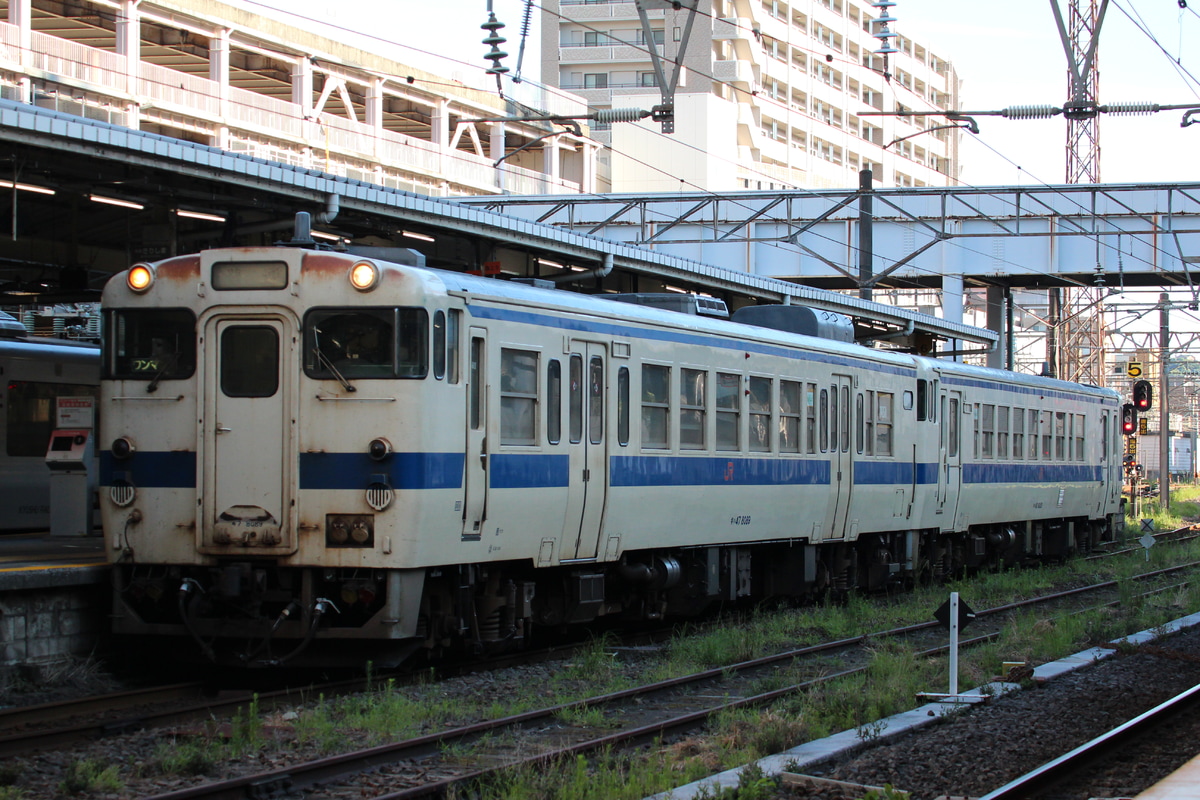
1128	419
1143	395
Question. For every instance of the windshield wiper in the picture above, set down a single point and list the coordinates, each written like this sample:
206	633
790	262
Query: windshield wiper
158	376
324	361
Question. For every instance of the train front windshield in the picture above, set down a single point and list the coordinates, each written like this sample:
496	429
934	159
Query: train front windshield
366	343
150	344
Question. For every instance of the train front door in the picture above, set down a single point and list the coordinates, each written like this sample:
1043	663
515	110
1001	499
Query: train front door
476	478
587	450
248	457
841	465
949	455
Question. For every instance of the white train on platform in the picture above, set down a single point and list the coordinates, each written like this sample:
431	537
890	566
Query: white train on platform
34	373
303	445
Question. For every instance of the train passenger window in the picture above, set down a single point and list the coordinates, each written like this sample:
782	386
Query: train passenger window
576	399
833	419
149	344
623	406
249	361
692	407
596	400
860	422
729	410
1103	439
883	424
31	418
810	419
518	396
975	432
364	343
987	429
824	420
952	430
845	424
656	405
1047	435
453	326
1002	431
439	345
789	415
1018	433
1079	437
922	401
1033	434
1060	435
554	401
476	379
760	414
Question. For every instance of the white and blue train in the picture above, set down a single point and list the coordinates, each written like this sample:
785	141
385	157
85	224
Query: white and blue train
303	445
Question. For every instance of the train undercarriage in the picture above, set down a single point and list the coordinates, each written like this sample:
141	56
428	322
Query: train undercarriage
253	614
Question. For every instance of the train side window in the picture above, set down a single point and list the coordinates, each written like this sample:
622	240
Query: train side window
987	429
554	401
518	396
30	417
1079	437
789	416
476	379
824	420
729	410
1002	431
860	422
1103	438
439	345
576	399
1033	434
596	400
922	400
453	328
623	406
833	419
883	423
692	408
249	361
656	405
149	344
760	414
1047	435
1018	433
845	423
1060	435
810	418
952	430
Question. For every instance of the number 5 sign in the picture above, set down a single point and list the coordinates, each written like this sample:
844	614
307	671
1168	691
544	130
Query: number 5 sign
1134	370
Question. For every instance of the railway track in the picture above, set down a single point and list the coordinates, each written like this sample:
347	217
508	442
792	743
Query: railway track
620	720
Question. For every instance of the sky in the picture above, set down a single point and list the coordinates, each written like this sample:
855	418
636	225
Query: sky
1006	54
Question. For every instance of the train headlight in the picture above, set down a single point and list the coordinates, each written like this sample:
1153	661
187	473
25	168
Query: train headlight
379	449
364	275
122	448
139	278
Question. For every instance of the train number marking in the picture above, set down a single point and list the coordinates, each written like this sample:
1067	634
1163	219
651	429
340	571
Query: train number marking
741	519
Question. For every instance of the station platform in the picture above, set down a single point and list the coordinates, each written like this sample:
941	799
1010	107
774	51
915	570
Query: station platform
54	598
1183	784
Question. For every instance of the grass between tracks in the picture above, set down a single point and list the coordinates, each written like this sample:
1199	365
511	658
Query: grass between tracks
895	676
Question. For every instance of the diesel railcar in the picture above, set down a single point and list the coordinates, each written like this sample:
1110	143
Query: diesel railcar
306	446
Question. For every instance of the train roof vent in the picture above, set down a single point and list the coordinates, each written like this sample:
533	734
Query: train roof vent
396	255
538	283
673	301
798	319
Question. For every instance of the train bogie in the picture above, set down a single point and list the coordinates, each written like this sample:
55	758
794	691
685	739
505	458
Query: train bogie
325	447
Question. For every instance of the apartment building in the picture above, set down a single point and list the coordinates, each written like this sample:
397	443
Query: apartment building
219	74
771	94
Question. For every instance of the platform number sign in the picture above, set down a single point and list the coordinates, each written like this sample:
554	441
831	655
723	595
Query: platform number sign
1134	370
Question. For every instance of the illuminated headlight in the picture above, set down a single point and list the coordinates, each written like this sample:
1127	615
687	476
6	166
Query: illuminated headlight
364	275
122	448
139	278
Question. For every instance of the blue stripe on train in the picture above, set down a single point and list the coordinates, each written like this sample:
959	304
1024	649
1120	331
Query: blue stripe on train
402	470
709	471
1031	473
173	470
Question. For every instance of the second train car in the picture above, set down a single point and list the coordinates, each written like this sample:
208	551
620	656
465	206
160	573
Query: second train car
307	446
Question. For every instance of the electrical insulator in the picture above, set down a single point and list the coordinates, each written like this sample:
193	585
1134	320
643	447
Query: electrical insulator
1030	112
611	115
1143	395
1128	419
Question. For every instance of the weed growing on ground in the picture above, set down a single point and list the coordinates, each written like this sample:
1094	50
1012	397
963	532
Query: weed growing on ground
90	776
176	757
